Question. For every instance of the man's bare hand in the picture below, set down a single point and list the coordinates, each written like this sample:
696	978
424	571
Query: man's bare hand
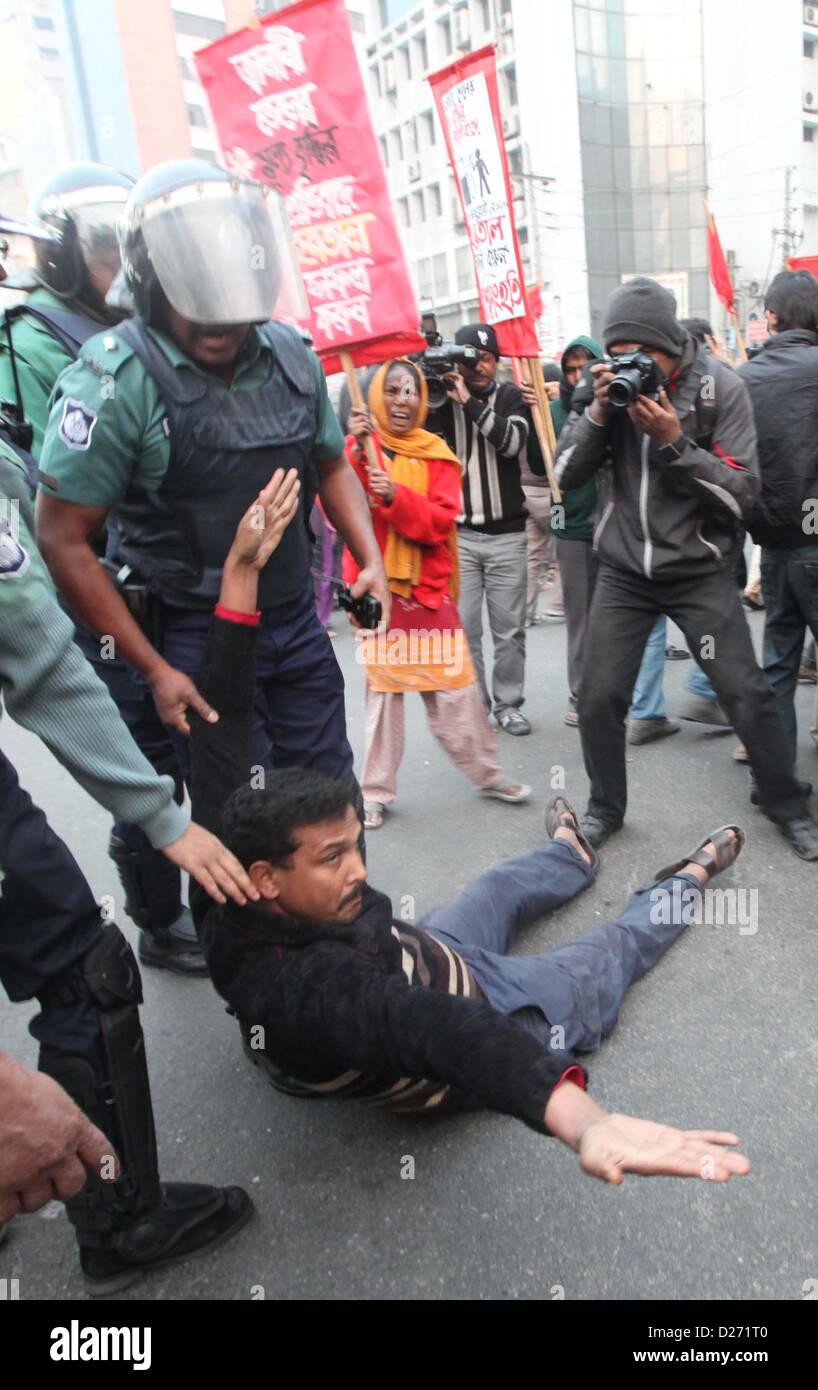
600	410
46	1142
456	388
260	530
372	580
212	865
618	1144
174	693
657	418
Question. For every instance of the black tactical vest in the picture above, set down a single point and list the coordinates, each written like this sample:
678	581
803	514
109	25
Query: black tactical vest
225	445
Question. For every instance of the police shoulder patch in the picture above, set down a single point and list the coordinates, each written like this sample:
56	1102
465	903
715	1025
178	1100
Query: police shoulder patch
14	560
76	424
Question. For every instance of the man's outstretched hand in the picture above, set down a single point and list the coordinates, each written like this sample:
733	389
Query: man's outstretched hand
610	1146
206	859
621	1144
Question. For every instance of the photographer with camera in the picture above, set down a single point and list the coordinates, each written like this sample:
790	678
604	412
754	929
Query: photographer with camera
415	494
486	425
672	430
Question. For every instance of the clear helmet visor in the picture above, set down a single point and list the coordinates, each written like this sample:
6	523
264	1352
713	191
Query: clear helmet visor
223	254
96	225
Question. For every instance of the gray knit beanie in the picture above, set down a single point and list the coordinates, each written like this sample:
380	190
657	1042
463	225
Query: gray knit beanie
643	311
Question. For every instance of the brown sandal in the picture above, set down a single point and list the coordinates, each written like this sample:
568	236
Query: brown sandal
560	814
727	852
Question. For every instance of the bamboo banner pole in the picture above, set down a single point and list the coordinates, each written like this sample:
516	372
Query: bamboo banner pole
531	372
742	351
356	396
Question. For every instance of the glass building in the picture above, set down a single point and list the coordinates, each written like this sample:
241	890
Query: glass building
640	81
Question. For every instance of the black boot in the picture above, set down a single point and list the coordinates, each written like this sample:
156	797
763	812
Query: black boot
167	939
135	1223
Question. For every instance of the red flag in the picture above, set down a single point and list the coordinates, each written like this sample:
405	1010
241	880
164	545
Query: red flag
468	104
719	274
809	263
290	109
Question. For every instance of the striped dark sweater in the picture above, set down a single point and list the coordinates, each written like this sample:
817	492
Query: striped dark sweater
488	434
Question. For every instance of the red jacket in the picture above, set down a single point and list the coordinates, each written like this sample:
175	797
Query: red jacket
428	521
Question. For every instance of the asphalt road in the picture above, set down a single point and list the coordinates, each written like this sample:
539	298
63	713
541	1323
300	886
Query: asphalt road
721	1034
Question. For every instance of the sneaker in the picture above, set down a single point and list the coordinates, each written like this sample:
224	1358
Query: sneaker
571	718
513	722
676	654
534	620
740	754
506	790
189	1220
698	710
649	730
555	613
807	675
751	598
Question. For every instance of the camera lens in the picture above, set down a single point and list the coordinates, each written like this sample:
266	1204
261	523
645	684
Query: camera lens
624	389
437	392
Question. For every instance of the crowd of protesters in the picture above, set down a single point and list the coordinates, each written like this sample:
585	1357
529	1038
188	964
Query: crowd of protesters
198	508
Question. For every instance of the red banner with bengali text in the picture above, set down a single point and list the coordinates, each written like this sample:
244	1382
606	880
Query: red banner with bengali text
468	103
290	110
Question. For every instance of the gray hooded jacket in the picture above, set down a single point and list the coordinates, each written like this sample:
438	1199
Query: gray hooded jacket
670	520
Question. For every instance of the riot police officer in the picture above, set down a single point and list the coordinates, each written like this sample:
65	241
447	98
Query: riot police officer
77	259
173	422
56	945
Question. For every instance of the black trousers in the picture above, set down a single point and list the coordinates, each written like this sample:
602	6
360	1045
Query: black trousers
48	921
789	583
708	610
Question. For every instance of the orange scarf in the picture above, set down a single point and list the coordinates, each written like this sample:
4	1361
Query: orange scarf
409	467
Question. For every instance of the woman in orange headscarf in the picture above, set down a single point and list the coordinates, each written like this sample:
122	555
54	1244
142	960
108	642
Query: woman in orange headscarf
414	493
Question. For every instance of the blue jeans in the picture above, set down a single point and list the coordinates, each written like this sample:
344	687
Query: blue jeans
577	987
648	699
699	684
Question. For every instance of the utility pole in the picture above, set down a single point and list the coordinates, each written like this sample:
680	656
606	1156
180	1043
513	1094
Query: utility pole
789	239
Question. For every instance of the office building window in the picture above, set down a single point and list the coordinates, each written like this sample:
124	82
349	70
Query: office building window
395	146
484	11
411	141
440	276
427	126
404	66
196	115
434	202
403	213
383	150
198	27
465	269
416	204
421	55
444	29
42	21
424	275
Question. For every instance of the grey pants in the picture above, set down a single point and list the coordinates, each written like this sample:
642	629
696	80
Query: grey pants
494	568
578	567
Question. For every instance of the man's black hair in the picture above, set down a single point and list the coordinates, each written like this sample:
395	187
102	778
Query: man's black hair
793	298
551	371
258	822
700	329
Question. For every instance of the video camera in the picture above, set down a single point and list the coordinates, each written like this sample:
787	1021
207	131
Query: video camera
440	359
635	374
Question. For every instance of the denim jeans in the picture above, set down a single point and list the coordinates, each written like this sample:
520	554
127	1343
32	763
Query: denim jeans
569	997
648	699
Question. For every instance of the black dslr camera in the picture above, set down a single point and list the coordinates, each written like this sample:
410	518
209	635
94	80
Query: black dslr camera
635	374
440	359
366	610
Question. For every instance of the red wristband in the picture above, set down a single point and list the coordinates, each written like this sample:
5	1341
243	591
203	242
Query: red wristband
574	1074
244	619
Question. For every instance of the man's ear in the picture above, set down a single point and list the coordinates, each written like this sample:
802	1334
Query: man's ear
264	877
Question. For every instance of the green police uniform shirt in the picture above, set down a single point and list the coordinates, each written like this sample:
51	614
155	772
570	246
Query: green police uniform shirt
39	359
107	428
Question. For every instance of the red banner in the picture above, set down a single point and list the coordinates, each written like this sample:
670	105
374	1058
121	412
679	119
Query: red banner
290	109
719	273
468	104
809	263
